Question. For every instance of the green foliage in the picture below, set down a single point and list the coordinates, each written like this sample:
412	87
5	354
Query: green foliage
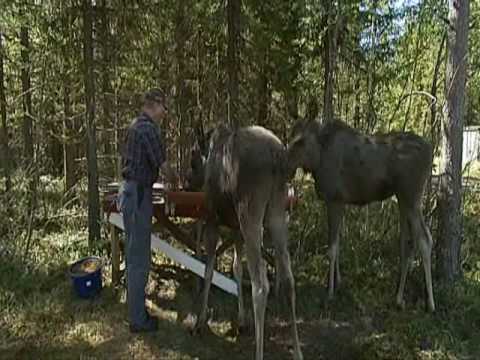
56	214
471	228
473	83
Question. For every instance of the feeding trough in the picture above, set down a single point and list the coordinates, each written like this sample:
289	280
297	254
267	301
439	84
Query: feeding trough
86	275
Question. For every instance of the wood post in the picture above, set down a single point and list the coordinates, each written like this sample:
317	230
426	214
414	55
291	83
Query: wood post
115	255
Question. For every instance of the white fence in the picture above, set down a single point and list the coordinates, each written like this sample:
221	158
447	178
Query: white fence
471	145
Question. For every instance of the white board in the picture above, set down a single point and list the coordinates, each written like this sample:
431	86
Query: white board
194	265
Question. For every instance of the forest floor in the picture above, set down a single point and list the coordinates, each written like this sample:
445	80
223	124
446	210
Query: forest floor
41	318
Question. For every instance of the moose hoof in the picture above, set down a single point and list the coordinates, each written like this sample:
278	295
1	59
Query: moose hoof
242	329
401	304
338	284
247	328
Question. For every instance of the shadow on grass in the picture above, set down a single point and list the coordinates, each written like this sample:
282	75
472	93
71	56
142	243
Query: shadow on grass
186	299
45	320
322	336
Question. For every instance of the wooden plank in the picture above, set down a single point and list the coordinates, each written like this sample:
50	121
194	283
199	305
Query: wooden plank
194	265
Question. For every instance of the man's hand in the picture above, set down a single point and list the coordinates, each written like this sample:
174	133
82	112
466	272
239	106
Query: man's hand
170	175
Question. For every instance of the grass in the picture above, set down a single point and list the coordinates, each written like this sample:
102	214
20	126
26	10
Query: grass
41	318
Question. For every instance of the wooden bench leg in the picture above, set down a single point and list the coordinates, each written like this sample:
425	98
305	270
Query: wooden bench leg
115	255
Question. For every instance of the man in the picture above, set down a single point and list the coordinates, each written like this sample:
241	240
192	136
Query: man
142	158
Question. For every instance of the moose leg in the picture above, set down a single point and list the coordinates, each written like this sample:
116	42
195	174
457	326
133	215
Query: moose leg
338	278
251	227
277	279
260	286
238	273
198	232
279	232
426	249
406	252
422	234
334	214
211	232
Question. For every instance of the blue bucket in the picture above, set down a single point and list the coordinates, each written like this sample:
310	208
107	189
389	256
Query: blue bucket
86	275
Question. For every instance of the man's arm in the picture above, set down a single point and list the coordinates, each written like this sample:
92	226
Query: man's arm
156	155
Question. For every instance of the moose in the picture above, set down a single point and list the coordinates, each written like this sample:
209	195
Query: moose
246	175
350	168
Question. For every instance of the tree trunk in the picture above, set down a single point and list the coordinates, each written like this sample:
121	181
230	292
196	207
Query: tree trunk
27	126
3	110
69	168
291	100
27	98
198	127
371	76
433	90
107	91
334	20
264	92
356	90
181	94
233	24
53	138
69	146
93	195
28	148
115	56
433	121
449	196
414	71
312	110
357	79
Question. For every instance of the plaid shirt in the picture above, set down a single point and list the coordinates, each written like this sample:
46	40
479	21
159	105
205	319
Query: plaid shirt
144	153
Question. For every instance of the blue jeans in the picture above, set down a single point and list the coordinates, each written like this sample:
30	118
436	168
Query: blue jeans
135	203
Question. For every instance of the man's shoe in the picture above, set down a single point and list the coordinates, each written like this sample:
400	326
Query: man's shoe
150	325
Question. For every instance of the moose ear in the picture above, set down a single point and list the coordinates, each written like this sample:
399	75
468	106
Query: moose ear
298	127
298	141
